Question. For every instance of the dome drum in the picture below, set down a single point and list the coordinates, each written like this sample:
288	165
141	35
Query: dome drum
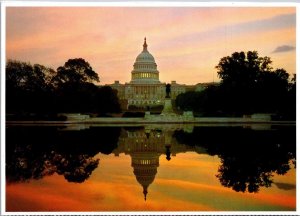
145	76
149	67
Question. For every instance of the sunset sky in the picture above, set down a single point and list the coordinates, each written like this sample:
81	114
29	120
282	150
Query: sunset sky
187	43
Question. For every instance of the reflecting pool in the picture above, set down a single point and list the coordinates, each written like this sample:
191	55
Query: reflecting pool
151	168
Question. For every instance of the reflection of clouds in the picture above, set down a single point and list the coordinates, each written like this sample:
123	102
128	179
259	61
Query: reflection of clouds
189	190
285	186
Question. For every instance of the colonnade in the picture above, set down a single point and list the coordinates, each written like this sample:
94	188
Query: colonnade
145	75
146	90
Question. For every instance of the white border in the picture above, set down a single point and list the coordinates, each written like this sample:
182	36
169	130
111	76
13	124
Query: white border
2	116
297	105
128	4
146	4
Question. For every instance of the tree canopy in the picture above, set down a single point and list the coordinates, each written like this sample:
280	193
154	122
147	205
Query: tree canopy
36	89
28	77
76	71
242	70
28	87
248	85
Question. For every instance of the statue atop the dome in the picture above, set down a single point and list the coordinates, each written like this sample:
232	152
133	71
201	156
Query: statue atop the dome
145	45
168	90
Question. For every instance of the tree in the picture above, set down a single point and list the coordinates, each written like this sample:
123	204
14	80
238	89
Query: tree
271	91
36	90
290	107
187	101
203	103
76	91
28	87
241	70
106	101
76	71
249	84
45	73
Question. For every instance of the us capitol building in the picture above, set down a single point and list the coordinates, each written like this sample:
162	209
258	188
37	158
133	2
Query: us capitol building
145	88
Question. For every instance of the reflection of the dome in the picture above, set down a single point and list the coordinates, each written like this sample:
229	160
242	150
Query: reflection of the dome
145	145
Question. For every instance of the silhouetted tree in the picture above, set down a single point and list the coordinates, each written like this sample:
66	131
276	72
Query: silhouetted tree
241	70
74	97
201	103
107	101
271	91
248	85
289	110
77	93
188	101
28	88
37	92
75	71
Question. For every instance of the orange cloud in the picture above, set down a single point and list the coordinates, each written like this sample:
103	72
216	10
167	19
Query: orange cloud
23	197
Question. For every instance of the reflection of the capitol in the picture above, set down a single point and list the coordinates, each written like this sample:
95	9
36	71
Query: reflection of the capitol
145	145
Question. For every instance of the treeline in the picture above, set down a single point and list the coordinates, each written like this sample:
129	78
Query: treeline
36	90
248	85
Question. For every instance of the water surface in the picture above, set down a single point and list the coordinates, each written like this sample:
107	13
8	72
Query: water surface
151	168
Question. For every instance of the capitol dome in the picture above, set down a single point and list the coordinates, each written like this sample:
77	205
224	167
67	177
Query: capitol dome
145	56
145	68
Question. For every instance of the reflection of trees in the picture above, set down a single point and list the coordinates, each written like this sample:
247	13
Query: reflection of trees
248	157
34	152
75	168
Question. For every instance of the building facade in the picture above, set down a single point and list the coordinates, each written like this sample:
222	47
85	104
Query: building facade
145	88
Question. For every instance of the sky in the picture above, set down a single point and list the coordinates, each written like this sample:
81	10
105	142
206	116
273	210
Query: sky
186	42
